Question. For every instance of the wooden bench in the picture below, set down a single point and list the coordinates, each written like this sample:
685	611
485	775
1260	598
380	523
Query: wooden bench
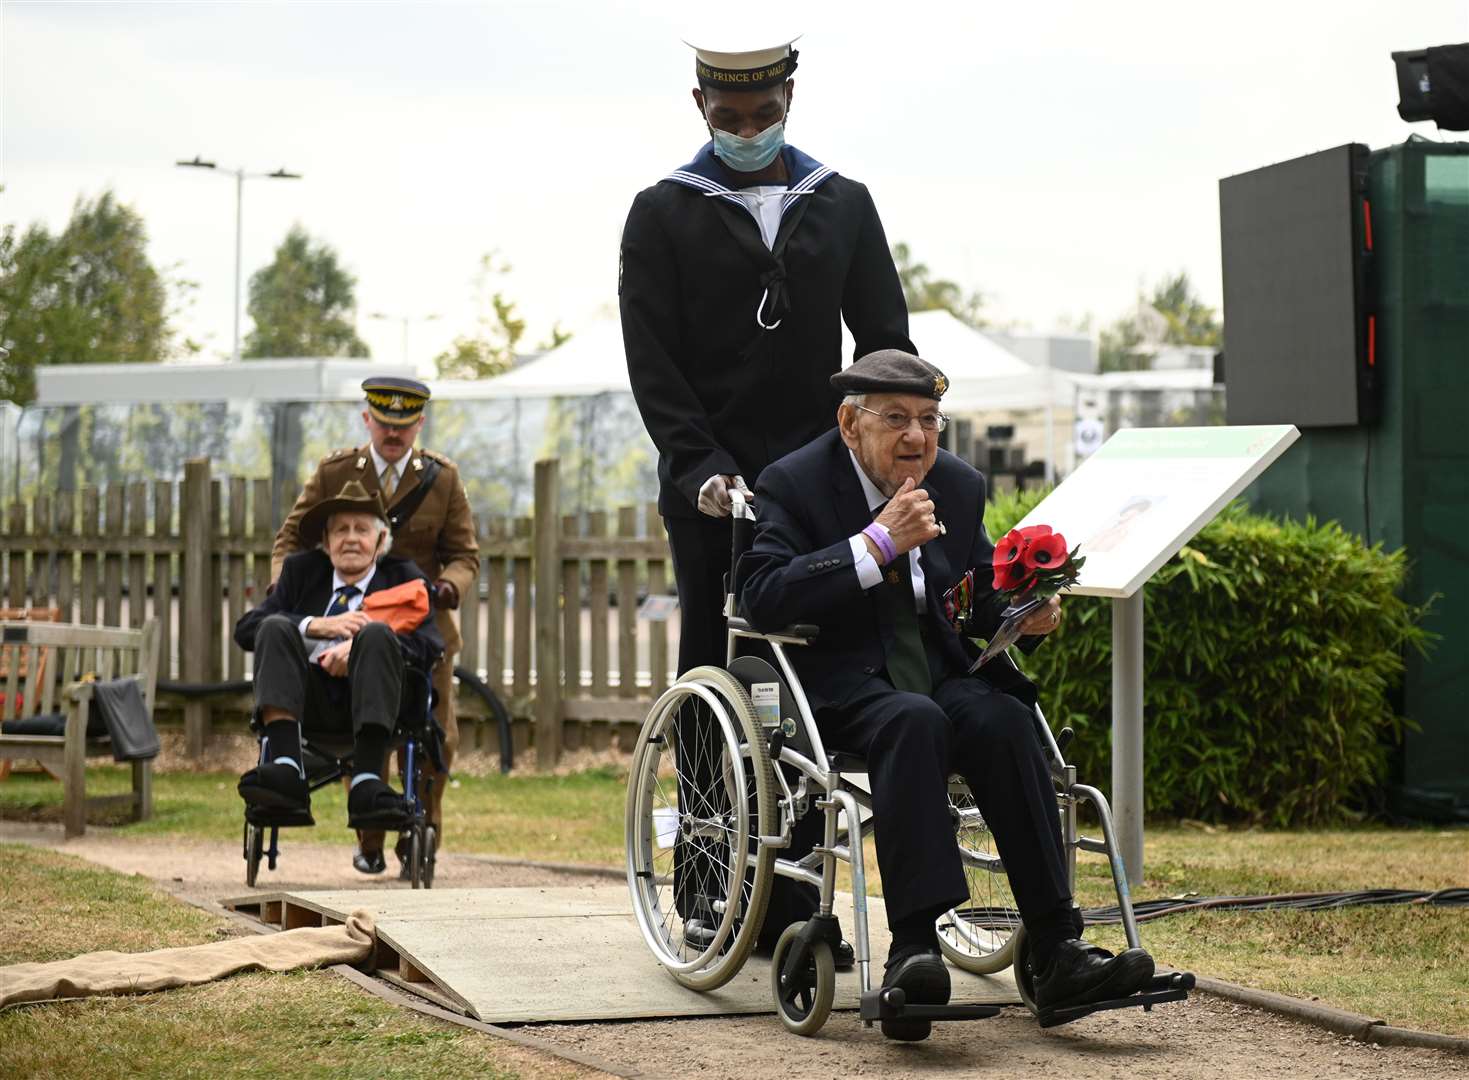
75	655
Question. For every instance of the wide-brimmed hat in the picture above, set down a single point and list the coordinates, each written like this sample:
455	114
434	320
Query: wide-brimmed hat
353	499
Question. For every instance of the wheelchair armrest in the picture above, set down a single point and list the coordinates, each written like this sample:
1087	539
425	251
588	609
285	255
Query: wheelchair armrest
796	633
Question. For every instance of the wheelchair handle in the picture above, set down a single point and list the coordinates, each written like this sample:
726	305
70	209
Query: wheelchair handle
742	515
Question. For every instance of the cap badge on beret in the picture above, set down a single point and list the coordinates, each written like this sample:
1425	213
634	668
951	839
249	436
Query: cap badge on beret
892	371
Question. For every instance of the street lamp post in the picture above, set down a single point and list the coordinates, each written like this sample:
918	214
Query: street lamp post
405	320
240	176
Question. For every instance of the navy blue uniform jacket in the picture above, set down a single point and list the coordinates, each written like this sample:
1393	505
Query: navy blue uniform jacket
717	393
800	570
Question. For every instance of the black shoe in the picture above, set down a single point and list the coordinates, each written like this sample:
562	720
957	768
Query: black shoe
275	787
369	862
1080	974
372	804
920	973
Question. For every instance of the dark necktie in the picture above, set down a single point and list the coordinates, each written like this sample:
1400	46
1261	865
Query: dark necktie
342	599
907	660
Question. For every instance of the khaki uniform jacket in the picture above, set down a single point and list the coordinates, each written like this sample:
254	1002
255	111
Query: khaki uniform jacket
439	537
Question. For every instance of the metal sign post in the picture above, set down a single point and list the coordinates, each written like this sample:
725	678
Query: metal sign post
1131	506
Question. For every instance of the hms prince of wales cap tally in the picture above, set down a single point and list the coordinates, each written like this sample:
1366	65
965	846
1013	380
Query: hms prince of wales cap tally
726	61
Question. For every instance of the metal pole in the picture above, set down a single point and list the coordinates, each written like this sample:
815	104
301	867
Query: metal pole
1127	731
239	235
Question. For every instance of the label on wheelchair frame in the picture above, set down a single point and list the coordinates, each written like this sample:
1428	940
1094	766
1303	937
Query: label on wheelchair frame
765	696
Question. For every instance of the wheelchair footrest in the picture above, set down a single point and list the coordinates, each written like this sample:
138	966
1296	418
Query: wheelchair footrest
891	1003
1163	988
266	817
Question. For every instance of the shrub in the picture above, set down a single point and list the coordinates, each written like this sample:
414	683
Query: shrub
1271	652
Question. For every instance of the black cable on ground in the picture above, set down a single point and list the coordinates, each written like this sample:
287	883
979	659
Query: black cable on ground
1322	901
464	675
994	918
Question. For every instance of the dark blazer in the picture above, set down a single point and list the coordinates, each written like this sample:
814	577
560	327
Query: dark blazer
305	588
799	569
717	393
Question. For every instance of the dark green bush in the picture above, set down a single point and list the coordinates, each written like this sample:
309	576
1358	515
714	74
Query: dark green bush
1271	651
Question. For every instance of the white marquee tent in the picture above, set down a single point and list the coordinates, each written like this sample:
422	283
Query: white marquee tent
983	375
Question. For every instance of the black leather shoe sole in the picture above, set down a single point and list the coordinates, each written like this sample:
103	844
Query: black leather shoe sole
924	980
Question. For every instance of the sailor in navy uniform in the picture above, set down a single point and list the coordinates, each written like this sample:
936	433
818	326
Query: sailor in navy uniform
736	272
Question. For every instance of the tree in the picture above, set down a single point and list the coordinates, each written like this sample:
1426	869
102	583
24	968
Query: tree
1172	315
924	292
303	303
490	350
87	295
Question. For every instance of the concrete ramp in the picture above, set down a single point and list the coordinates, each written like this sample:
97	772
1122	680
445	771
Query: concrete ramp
536	955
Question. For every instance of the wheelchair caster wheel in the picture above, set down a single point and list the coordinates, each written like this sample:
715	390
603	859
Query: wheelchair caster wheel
1024	976
422	852
254	848
804	1005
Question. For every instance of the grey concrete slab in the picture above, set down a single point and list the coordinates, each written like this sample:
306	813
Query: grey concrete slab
572	954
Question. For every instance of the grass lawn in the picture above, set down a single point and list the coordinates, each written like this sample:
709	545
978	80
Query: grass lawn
1408	965
308	1023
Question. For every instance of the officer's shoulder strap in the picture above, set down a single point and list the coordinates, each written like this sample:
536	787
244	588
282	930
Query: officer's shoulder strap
338	455
434	455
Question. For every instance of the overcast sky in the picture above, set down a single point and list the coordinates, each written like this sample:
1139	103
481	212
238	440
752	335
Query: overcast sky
1054	155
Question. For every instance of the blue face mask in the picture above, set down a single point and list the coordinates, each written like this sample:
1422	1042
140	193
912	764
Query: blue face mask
752	154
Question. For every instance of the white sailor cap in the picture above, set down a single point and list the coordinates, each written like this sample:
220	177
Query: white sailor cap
729	61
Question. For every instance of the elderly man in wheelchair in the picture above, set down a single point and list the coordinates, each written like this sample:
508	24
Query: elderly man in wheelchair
868	572
338	643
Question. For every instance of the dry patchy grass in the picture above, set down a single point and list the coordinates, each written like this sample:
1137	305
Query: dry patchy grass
300	1024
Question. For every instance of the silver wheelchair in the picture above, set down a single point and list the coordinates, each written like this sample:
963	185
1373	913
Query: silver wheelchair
728	760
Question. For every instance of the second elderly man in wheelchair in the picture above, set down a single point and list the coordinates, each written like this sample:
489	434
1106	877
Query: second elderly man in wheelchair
876	536
336	643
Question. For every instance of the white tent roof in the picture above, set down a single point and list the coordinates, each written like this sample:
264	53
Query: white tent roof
982	374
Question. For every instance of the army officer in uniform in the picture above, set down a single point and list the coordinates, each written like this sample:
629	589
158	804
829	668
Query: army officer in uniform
737	270
432	525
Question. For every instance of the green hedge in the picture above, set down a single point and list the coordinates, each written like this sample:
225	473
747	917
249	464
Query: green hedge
1272	649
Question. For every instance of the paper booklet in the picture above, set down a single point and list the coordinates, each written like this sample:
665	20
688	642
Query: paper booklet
1008	633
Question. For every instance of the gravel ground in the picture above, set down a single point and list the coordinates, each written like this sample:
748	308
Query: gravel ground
1203	1037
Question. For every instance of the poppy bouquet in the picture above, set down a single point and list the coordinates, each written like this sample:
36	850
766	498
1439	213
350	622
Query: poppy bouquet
1033	564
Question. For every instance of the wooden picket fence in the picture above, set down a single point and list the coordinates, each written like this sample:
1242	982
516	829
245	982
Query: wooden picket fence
557	595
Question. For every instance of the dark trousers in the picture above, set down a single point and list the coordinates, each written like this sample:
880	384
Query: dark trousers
369	696
701	549
912	745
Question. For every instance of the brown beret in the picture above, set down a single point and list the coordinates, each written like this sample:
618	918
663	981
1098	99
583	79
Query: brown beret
891	371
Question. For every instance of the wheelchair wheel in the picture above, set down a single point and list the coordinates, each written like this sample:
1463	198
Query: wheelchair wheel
979	937
804	1005
430	855
254	849
699	796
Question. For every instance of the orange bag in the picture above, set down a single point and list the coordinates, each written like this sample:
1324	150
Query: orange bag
403	607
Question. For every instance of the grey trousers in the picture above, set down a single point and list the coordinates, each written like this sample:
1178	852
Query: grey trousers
369	695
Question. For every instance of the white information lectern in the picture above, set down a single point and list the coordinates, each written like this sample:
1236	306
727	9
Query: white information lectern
1131	506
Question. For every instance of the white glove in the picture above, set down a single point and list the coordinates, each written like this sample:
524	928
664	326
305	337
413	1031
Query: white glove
714	495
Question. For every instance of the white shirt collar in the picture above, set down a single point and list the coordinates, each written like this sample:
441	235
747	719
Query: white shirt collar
362	585
874	497
380	463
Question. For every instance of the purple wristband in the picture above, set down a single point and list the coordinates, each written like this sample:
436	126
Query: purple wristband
879	536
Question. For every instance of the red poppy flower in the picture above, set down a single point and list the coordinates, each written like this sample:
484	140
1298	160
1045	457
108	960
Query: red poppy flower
1030	532
1010	576
1046	553
1009	550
